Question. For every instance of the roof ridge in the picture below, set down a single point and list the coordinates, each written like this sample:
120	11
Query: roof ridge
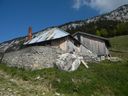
91	35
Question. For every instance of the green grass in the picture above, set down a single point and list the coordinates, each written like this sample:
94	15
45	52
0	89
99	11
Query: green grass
104	79
120	43
119	47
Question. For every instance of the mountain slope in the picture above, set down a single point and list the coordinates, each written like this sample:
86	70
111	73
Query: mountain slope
118	43
120	15
108	25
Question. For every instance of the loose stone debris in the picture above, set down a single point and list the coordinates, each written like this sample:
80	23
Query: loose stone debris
115	59
70	62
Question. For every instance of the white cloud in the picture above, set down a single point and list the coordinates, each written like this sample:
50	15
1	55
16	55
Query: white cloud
77	4
99	5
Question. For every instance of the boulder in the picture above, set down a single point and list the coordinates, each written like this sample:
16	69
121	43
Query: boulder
69	61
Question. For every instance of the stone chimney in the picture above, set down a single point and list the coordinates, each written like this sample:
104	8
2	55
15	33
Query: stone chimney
30	33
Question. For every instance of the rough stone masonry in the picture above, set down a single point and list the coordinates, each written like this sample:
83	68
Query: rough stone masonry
36	57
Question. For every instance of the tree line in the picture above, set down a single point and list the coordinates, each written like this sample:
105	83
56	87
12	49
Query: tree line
105	28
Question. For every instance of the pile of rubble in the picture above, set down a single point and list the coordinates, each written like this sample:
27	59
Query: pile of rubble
70	62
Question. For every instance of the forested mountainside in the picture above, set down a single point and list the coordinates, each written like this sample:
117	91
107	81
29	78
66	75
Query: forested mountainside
108	25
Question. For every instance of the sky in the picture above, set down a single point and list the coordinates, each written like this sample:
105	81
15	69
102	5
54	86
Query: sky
17	15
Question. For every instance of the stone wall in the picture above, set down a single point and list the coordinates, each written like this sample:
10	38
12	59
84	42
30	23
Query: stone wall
36	57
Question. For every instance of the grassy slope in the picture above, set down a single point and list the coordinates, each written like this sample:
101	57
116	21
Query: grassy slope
104	79
120	43
119	46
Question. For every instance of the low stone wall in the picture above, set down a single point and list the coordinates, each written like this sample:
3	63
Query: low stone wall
36	57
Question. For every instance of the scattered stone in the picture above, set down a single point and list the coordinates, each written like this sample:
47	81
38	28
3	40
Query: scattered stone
115	59
37	78
69	62
57	94
43	93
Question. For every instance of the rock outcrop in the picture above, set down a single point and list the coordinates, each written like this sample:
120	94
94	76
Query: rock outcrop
69	61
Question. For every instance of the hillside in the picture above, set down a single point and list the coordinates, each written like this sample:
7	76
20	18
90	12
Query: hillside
119	46
103	79
120	43
109	24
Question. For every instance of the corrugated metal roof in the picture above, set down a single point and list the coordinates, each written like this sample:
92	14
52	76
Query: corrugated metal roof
46	35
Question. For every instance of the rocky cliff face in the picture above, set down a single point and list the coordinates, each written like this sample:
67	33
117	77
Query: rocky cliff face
120	14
